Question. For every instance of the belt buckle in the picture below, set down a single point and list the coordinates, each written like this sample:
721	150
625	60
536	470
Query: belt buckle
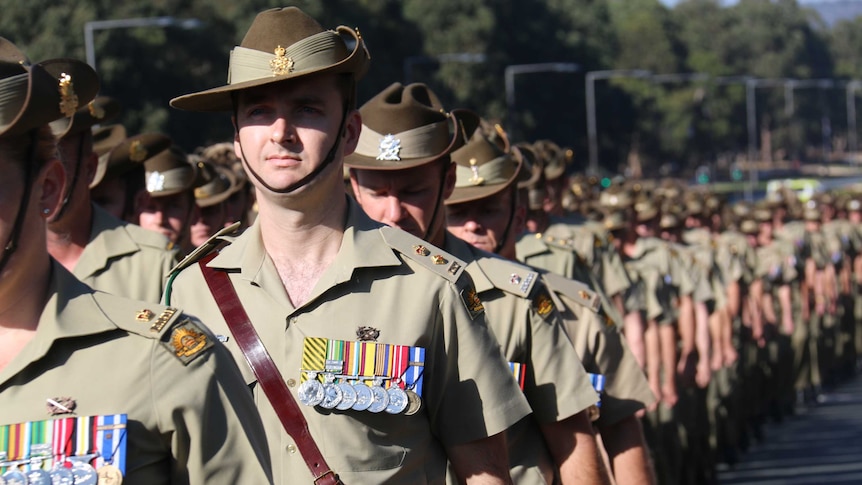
328	472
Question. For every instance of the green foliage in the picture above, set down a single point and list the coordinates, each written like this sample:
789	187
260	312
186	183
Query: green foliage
684	122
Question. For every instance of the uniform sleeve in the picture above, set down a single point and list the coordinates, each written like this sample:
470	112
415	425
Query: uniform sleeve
208	419
557	385
473	394
614	277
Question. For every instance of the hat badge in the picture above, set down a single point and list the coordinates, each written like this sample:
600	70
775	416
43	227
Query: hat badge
475	179
137	152
155	182
68	98
282	64
389	148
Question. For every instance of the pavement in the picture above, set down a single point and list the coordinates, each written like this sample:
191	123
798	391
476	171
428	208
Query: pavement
820	445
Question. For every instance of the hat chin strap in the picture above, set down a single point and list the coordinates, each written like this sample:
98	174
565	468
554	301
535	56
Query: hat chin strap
330	157
502	241
438	202
15	235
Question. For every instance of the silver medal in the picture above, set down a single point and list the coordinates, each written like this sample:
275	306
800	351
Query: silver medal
311	391
84	474
381	398
332	394
348	396
15	477
38	476
60	475
364	397
397	400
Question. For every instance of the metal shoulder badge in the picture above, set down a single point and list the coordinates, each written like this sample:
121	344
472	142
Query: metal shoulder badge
187	341
471	301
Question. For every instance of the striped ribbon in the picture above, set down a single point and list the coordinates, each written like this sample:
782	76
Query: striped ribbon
313	356
518	371
598	382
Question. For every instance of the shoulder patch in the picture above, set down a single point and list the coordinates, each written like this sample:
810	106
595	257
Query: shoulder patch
542	302
187	341
508	276
425	253
577	291
472	302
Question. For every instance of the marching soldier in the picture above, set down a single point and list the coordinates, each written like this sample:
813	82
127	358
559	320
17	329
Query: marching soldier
407	190
370	357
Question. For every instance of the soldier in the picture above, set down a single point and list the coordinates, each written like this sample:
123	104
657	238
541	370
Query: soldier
238	206
379	335
217	184
174	410
106	253
407	190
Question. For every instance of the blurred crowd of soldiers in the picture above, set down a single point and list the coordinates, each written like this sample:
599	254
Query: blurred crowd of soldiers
695	319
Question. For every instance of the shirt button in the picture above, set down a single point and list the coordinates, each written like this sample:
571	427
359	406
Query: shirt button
291	448
291	382
293	320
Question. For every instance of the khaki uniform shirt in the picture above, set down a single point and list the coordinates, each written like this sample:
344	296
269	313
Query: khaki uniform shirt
735	257
469	392
529	329
125	259
190	421
602	349
649	267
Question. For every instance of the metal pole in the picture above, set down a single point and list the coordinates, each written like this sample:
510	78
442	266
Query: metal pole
851	116
591	125
88	44
510	98
751	119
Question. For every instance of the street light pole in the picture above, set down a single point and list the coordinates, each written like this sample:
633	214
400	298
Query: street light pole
515	69
592	135
163	22
852	86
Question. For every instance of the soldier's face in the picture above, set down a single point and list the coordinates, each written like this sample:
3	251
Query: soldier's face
483	222
405	199
285	130
207	222
169	215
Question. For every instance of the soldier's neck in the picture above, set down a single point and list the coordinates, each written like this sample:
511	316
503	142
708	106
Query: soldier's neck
68	237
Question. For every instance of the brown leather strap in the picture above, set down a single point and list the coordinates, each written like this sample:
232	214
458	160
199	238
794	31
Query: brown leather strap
266	372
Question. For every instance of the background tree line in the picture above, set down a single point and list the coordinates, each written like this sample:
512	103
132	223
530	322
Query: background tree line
667	125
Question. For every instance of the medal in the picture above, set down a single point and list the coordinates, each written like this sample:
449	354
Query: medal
38	476
414	402
14	477
332	394
364	397
397	400
109	475
348	396
380	397
84	474
61	475
311	391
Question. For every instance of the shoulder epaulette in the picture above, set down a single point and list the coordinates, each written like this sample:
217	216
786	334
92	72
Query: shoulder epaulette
218	239
530	245
425	253
568	244
148	238
508	276
176	332
577	291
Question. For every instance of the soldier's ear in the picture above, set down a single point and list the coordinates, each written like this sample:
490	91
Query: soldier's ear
449	179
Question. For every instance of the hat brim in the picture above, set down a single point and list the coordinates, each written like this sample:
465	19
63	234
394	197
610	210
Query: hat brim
219	99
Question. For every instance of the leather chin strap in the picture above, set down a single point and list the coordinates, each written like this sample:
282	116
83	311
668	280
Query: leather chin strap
502	241
14	236
438	201
330	157
64	205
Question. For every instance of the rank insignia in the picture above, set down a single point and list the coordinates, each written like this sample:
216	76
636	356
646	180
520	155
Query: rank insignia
137	152
389	148
61	405
163	319
472	302
68	98
583	294
454	268
543	304
421	250
187	341
514	279
144	315
438	259
282	64
367	334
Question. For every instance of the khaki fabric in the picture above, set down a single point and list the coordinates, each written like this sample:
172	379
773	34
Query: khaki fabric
650	268
603	351
556	384
125	259
469	392
191	424
777	263
734	257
